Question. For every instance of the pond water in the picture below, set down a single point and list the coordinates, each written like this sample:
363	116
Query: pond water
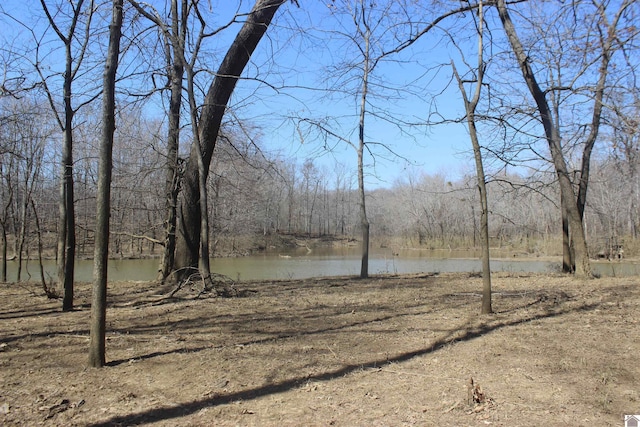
330	262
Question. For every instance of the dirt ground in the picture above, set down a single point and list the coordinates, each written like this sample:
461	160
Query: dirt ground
386	351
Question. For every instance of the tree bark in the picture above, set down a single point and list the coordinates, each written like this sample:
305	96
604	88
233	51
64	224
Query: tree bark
568	262
364	221
176	72
4	253
103	205
67	232
215	103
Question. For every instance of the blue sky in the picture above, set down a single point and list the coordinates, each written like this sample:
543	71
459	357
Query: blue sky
302	56
297	60
306	59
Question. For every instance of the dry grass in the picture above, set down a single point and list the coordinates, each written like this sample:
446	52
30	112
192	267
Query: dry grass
387	351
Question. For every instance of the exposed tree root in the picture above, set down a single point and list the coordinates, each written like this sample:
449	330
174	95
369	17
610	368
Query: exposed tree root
216	285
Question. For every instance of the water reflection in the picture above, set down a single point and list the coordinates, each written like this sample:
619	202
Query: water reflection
330	262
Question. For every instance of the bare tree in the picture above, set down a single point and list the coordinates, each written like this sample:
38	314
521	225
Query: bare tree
74	57
175	39
367	29
625	152
470	109
25	134
583	267
548	107
190	221
368	64
75	39
175	63
609	41
99	300
7	187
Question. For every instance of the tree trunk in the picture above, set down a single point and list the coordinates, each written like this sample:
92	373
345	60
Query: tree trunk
66	245
364	265
172	171
103	206
470	108
364	222
67	233
583	266
8	200
4	253
204	265
568	263
43	280
215	103
484	235
22	235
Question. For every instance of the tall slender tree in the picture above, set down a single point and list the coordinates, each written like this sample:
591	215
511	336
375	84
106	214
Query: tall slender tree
174	52
103	206
370	32
75	38
470	105
174	36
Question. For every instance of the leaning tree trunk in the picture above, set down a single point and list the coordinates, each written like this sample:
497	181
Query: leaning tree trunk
215	103
103	208
583	266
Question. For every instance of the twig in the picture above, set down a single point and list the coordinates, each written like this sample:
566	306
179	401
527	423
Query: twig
332	352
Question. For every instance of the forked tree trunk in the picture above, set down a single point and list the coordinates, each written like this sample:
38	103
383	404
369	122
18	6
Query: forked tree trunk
607	40
215	103
583	266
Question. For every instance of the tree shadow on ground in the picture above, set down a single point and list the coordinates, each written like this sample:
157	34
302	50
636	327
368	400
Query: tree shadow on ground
274	337
187	326
467	333
24	314
246	323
